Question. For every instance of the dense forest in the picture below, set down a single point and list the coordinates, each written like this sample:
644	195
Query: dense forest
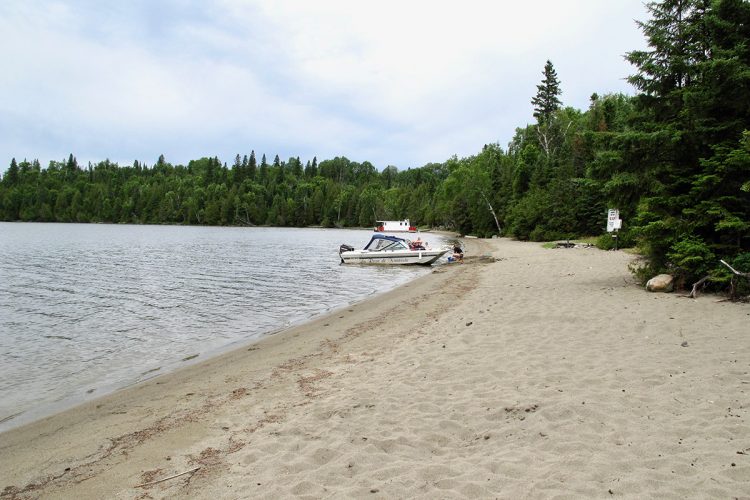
674	159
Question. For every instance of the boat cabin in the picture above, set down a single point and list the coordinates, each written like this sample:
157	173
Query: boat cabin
384	226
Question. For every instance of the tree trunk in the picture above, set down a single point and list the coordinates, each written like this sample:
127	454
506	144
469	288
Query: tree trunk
492	210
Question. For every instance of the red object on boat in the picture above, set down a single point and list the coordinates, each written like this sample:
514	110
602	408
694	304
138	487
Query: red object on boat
395	226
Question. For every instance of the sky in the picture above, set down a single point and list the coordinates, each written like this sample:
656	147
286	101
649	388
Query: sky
401	83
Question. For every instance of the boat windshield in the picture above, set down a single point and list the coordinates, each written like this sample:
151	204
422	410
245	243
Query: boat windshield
380	244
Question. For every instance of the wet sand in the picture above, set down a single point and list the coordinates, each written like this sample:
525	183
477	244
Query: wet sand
522	373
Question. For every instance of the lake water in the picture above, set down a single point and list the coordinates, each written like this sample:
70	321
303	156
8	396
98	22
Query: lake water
89	308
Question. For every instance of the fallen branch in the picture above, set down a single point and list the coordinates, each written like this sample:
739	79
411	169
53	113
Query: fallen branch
167	478
698	284
746	275
733	283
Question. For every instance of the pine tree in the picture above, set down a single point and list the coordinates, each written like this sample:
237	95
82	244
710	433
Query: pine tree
238	169
546	101
695	84
11	176
263	170
252	165
71	167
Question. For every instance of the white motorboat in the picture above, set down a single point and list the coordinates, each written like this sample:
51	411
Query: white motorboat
386	249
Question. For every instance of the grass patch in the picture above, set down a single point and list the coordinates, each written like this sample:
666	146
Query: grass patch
632	250
591	240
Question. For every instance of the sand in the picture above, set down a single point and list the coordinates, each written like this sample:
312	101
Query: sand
523	373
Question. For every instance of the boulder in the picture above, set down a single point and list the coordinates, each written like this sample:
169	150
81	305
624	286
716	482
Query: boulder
661	283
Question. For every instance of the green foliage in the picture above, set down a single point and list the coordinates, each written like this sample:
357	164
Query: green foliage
606	241
547	101
689	154
741	263
527	214
674	159
691	259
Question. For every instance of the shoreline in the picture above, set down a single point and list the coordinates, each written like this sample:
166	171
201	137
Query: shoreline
71	369
29	417
302	339
217	355
522	372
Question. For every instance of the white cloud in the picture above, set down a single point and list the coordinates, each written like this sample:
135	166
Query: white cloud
401	83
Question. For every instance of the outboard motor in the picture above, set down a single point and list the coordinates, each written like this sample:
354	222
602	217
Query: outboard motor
344	248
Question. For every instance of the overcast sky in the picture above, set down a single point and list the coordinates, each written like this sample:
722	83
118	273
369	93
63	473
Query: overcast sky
400	83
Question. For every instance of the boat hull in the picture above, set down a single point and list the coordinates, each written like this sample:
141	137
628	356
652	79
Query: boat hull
411	257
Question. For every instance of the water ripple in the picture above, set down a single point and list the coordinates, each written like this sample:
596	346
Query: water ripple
96	306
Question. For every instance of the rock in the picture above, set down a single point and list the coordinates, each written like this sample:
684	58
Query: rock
661	283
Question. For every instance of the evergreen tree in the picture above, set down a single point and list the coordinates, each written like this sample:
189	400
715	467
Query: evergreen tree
11	176
252	165
71	167
547	101
388	176
296	167
238	169
263	169
693	108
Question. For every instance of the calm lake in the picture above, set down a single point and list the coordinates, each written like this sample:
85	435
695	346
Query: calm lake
89	308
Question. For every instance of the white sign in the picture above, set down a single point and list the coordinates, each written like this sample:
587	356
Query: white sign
613	220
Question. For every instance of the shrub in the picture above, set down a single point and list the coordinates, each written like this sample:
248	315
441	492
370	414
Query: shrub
742	264
691	259
607	242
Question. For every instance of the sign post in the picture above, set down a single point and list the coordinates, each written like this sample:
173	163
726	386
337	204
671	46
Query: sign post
613	223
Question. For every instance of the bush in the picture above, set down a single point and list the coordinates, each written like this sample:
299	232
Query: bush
607	242
541	233
691	259
526	215
742	264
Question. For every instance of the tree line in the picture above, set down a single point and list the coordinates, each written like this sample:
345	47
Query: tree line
674	159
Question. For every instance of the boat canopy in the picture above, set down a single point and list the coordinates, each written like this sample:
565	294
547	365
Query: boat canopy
383	242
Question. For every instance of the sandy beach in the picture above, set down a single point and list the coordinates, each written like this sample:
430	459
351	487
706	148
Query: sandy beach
522	373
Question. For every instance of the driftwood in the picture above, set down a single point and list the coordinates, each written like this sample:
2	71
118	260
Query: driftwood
735	271
701	283
697	286
150	483
733	282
